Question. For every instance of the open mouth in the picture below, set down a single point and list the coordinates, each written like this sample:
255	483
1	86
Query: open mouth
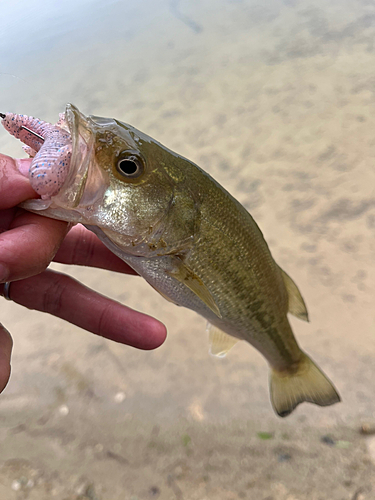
83	140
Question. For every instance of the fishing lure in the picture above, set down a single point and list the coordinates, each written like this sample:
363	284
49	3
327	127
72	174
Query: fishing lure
50	146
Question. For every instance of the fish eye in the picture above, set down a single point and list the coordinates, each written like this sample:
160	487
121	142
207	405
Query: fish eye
130	164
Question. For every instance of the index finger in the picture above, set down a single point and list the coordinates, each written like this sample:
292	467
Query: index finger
83	248
66	298
15	187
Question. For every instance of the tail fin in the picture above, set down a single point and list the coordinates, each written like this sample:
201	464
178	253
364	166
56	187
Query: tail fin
308	383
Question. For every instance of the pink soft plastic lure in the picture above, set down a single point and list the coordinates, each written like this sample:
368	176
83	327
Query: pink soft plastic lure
51	151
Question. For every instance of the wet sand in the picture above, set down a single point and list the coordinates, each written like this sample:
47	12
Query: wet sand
276	101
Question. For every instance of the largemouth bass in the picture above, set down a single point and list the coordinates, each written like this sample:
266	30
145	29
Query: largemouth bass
180	230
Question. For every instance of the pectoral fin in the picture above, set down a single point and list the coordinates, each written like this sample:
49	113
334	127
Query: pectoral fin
220	342
297	305
186	276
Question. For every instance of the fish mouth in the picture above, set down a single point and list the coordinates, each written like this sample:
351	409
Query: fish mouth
83	142
85	181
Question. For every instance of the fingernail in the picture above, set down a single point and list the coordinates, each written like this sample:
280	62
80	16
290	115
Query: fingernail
4	273
23	165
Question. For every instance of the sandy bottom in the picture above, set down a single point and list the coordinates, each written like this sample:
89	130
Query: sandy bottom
276	100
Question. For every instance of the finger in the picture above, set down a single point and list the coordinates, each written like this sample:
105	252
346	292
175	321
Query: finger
6	218
83	248
29	245
66	298
5	352
15	187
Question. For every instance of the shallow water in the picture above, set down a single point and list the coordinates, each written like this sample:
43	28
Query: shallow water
276	100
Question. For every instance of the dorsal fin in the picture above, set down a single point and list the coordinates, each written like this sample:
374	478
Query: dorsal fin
297	305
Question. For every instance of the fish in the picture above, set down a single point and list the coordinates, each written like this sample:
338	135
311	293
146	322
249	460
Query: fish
178	228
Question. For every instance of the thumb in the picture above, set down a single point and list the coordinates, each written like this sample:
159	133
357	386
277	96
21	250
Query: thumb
15	187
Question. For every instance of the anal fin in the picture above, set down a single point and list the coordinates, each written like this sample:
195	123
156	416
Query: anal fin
297	305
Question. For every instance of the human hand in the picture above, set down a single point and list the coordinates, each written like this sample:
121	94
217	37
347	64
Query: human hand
29	242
